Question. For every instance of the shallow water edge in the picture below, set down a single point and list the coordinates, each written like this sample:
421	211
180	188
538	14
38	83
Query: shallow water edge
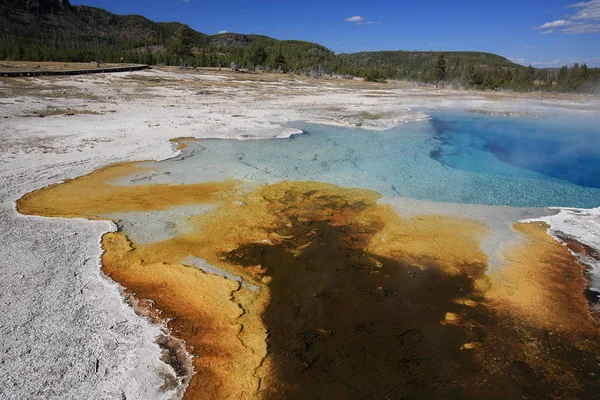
337	270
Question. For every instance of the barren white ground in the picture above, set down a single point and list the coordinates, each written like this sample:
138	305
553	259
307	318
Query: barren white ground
66	332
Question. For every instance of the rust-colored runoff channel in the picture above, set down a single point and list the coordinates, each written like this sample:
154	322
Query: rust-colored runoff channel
353	301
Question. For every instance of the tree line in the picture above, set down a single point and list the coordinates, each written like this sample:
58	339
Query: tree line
185	47
463	70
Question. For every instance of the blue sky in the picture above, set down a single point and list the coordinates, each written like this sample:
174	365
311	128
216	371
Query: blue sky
537	32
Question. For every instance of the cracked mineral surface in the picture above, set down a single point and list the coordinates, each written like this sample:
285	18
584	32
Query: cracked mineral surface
311	288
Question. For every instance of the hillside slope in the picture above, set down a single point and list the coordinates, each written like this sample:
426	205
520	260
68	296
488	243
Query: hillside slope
56	18
45	19
412	59
420	64
55	30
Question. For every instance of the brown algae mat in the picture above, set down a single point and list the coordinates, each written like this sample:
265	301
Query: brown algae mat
354	302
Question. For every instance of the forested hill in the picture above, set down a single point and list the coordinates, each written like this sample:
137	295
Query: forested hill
58	19
55	30
414	64
470	69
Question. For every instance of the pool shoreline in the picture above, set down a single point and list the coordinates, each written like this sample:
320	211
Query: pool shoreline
112	266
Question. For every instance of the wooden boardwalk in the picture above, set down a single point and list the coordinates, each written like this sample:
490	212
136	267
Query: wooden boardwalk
99	70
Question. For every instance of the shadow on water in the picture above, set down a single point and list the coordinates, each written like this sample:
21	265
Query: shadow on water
360	303
345	323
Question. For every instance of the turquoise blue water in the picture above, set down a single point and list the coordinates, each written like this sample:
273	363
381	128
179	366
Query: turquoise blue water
564	148
454	157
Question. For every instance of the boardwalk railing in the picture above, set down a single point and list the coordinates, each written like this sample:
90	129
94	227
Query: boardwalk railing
99	70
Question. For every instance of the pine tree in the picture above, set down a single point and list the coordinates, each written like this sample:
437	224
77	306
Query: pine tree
258	55
563	73
182	42
584	72
148	56
279	60
440	68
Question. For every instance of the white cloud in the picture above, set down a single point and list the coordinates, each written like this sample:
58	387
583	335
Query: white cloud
585	20
356	18
547	64
549	31
555	24
587	10
527	47
223	31
582	28
590	62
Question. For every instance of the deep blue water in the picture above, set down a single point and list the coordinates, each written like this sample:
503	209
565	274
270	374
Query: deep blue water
563	148
454	157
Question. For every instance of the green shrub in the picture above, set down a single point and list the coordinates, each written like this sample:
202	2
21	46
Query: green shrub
374	75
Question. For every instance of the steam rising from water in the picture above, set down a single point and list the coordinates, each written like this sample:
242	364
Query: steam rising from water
583	226
454	158
556	148
306	286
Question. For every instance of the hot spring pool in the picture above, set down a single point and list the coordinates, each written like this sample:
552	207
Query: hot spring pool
454	157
